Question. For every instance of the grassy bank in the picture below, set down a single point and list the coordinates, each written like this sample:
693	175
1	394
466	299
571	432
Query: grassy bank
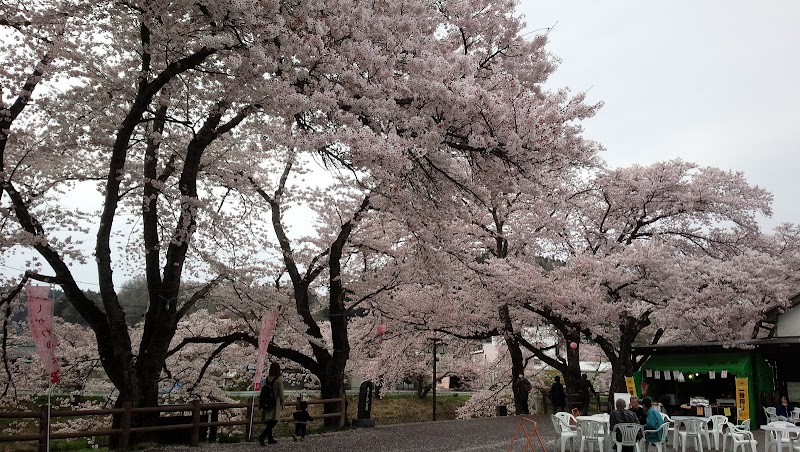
392	409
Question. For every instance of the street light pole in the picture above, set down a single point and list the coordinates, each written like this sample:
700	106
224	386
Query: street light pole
435	343
434	379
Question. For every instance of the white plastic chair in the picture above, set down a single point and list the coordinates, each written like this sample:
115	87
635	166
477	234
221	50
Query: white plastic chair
567	419
694	431
794	444
795	415
717	421
592	432
661	444
564	432
704	432
743	439
730	431
772	414
744	425
671	430
631	434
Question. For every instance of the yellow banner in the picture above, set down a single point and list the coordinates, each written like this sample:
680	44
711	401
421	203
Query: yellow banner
742	397
631	386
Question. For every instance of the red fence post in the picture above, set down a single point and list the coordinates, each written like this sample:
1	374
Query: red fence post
125	426
44	428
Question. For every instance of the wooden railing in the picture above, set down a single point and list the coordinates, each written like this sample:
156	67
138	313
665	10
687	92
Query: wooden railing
601	400
123	433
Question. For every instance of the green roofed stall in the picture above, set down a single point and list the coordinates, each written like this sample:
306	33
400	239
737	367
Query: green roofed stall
739	364
698	381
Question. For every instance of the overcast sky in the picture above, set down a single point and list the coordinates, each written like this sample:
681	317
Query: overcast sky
709	81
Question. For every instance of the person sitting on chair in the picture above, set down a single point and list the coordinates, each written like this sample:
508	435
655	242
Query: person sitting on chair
784	408
653	421
637	410
622	416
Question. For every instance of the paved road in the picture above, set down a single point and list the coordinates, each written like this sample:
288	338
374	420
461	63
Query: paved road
472	435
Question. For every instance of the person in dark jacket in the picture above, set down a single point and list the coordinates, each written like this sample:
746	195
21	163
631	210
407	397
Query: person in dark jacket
637	410
301	420
523	388
622	416
784	408
557	396
585	391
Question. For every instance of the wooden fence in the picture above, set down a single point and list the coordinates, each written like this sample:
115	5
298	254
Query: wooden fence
573	400
199	412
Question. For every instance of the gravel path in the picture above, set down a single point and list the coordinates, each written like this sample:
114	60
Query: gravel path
472	435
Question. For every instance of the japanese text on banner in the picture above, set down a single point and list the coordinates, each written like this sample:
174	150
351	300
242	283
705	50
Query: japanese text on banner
40	320
742	402
630	385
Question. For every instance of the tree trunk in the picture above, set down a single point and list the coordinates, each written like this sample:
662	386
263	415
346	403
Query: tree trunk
517	370
621	366
572	371
332	387
515	352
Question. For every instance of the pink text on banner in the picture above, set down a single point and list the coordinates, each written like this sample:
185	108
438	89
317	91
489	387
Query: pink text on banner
40	320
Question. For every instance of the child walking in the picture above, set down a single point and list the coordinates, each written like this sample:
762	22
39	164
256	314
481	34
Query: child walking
301	420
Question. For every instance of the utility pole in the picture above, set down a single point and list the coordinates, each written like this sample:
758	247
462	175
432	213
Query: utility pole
435	343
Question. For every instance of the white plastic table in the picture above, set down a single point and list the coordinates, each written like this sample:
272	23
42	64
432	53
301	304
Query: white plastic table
595	417
778	428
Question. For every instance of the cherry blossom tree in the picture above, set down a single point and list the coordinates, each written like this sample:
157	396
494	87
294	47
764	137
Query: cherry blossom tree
477	250
170	108
672	245
109	79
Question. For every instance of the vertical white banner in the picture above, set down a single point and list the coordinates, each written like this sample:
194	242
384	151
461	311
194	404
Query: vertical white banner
40	320
264	337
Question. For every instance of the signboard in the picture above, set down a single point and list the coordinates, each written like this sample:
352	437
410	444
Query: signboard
40	320
630	386
365	400
624	396
742	397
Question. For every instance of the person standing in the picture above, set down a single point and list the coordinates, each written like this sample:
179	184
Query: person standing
301	420
585	391
523	389
271	415
557	396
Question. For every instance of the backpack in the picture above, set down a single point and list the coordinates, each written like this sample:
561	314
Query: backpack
267	397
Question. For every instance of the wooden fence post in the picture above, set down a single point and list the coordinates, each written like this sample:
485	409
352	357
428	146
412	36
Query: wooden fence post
248	428
125	426
343	410
212	432
195	440
44	427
